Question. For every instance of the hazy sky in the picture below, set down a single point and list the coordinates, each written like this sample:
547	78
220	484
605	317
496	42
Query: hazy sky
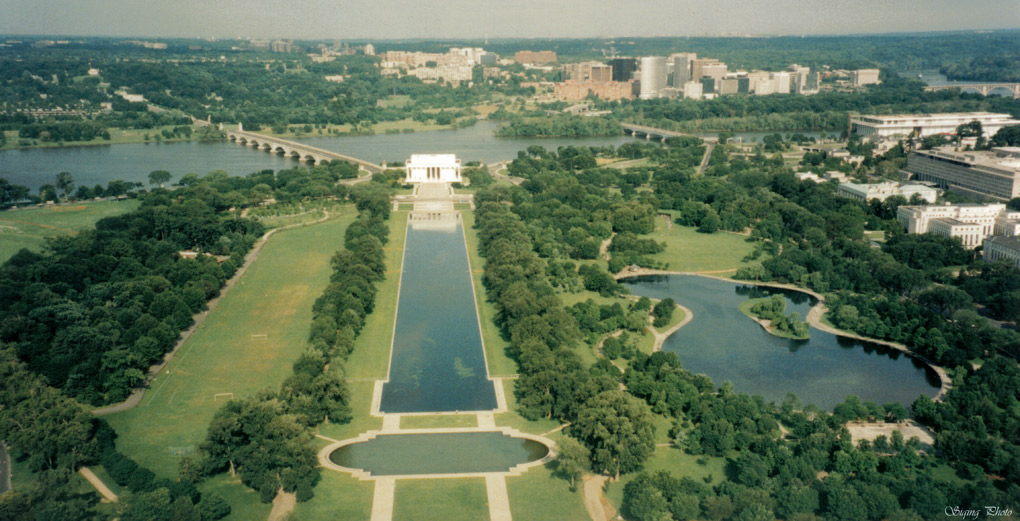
314	19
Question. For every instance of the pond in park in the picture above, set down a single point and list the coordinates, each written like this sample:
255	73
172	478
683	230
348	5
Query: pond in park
724	344
437	363
446	453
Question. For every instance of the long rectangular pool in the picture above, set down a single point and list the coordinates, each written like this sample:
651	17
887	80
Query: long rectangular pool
437	363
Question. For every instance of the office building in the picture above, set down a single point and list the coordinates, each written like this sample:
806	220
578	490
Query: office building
781	82
653	76
693	90
994	173
623	68
921	125
1002	248
587	71
682	67
707	85
861	77
697	65
535	57
604	90
716	71
883	191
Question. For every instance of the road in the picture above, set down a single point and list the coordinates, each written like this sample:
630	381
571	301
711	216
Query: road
5	469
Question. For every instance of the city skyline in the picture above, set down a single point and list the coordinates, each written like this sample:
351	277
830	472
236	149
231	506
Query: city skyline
323	19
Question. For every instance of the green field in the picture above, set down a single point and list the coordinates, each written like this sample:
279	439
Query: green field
440	500
688	250
229	353
30	227
537	495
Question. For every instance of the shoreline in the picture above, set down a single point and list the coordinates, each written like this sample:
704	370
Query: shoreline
814	319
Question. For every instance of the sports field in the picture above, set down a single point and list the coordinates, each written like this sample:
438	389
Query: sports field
247	343
30	227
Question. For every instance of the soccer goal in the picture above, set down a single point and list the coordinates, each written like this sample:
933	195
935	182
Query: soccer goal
223	396
262	338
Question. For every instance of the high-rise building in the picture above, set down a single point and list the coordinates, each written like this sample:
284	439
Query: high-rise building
587	71
623	68
716	71
682	67
707	85
693	90
696	67
653	76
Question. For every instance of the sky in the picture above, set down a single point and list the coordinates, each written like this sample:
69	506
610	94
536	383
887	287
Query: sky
394	19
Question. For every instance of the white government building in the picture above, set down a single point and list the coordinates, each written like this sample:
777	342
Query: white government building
433	168
1002	248
883	191
927	124
971	223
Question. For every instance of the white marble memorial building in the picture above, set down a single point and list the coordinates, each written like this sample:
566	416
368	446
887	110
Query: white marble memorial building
433	168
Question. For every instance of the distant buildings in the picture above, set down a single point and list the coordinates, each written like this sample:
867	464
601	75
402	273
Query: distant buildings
535	57
653	76
1002	248
861	77
921	125
588	71
623	68
282	46
883	191
455	65
994	173
608	91
971	223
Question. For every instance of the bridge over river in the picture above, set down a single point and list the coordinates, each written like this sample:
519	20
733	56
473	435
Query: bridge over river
1013	89
299	151
661	134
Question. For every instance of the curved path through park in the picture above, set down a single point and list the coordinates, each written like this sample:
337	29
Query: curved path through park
814	318
598	507
135	398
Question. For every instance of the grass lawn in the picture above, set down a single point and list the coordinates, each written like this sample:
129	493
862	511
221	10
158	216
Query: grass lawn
30	227
440	500
274	298
439	422
337	496
244	502
537	496
678	464
688	250
499	364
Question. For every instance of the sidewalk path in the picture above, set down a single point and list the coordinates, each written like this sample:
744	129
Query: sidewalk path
101	487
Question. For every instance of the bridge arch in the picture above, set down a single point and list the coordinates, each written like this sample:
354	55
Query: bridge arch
268	147
254	144
280	151
309	159
295	154
971	90
1001	90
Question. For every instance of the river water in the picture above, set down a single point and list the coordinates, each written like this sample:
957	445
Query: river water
100	164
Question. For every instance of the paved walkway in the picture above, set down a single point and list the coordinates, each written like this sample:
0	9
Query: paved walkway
382	499
136	396
101	487
598	507
283	505
499	500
